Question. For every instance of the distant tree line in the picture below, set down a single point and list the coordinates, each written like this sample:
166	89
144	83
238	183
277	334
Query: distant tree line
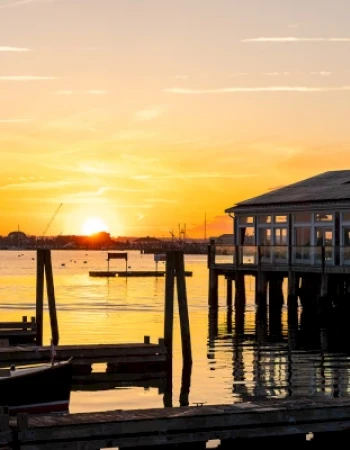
17	240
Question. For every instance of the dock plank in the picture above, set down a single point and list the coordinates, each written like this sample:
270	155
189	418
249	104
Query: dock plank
123	428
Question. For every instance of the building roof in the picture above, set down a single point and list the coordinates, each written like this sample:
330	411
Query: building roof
325	187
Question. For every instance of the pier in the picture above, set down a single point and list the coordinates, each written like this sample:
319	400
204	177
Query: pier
279	421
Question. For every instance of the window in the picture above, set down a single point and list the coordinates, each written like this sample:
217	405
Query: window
280	219
246	219
302	235
321	217
346	216
302	218
264	219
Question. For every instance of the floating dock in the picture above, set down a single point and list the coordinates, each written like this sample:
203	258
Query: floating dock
139	359
277	421
128	273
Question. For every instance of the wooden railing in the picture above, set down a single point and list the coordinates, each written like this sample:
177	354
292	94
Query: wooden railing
18	332
294	255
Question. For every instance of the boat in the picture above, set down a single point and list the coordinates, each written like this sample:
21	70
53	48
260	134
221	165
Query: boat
44	388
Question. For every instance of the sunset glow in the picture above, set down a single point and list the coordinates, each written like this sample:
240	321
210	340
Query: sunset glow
93	225
153	114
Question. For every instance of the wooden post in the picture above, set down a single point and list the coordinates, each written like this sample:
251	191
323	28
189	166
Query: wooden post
261	288
275	306
213	288
293	285
228	291
169	302
240	298
168	325
185	385
51	297
183	308
40	262
212	324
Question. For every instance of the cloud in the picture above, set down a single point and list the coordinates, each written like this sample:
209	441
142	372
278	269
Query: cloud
15	120
36	185
14	3
89	92
26	78
5	48
296	39
148	114
230	90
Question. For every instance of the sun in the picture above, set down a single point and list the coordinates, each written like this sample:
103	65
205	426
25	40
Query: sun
93	225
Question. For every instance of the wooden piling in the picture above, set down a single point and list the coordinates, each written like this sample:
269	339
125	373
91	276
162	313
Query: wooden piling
168	326
240	297
40	262
169	303
275	305
183	308
228	291
261	288
213	299
51	297
292	303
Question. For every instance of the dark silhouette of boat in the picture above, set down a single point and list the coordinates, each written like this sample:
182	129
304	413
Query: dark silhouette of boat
44	388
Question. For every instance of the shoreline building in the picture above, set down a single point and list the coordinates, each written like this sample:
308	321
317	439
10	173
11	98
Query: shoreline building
299	233
292	224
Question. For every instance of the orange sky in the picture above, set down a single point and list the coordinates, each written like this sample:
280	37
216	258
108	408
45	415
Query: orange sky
147	114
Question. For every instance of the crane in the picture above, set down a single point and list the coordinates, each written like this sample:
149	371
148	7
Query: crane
51	220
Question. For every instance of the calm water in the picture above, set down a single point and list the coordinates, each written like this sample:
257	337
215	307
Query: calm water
231	361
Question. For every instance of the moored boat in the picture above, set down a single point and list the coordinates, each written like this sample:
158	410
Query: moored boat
44	388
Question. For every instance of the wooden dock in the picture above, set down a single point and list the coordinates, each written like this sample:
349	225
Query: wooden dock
131	274
281	421
118	357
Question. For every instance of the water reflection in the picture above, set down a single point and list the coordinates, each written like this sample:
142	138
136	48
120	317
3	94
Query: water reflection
291	351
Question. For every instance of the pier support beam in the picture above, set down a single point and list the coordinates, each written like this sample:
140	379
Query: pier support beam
213	288
261	288
275	305
293	286
228	291
240	297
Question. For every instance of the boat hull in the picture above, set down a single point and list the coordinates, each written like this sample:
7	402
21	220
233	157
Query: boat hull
42	390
